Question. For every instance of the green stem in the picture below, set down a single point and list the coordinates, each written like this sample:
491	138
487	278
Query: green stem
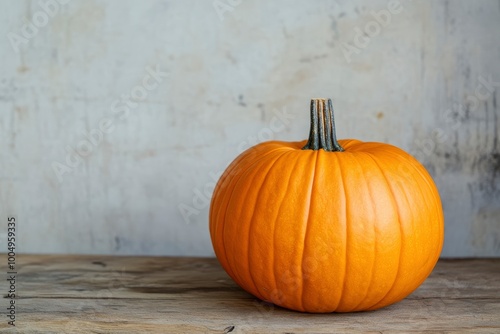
322	134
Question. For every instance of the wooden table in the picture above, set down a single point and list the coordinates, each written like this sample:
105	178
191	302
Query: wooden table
103	294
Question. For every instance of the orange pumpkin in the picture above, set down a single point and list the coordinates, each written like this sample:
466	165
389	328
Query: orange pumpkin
327	225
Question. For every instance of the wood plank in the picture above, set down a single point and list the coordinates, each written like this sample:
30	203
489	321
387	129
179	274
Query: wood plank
103	294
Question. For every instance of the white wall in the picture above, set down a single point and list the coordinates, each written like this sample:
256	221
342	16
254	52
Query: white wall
228	75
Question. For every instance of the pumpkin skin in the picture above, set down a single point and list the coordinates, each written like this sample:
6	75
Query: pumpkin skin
327	231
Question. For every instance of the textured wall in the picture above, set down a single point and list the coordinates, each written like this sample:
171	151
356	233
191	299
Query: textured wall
169	92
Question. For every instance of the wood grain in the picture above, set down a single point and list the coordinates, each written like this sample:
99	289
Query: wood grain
103	294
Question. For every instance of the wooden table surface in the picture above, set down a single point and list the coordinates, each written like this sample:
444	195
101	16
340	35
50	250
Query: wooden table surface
103	294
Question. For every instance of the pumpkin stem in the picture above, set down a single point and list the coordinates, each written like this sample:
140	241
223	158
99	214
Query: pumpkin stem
322	134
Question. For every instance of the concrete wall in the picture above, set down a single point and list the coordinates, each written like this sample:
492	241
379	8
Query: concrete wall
222	72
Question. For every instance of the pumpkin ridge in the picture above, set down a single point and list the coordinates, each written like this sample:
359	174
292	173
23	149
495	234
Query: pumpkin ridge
389	186
232	166
437	202
346	222
275	221
247	169
401	295
228	195
275	163
431	188
251	225
374	239
214	214
429	207
226	174
308	210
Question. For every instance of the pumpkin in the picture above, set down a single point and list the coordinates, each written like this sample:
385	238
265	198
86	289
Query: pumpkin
327	225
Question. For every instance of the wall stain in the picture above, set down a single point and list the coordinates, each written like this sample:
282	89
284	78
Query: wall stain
23	69
145	154
495	123
262	111
312	58
231	58
21	112
117	243
241	101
